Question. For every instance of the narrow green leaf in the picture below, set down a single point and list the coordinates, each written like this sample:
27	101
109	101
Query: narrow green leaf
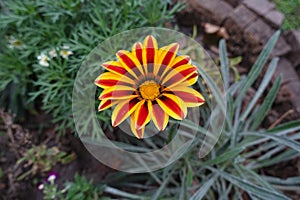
280	139
120	193
266	105
250	187
285	128
162	186
224	63
228	155
284	156
266	80
258	65
201	192
289	181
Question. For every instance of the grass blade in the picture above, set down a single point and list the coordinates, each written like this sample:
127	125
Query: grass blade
266	80
249	187
266	105
224	63
201	192
280	139
258	65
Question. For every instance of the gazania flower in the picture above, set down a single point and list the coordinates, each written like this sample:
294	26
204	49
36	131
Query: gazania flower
148	83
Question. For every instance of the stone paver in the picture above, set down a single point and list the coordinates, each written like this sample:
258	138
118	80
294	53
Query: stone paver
261	7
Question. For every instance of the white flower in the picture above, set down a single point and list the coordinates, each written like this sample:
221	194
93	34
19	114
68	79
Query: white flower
65	47
40	186
43	60
52	53
65	53
15	43
51	178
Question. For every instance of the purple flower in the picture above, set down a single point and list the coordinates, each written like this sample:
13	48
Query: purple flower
52	176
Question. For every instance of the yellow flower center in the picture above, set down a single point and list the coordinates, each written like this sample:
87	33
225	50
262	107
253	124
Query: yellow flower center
149	90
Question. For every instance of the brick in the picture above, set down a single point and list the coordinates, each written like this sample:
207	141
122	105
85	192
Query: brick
281	48
234	3
293	38
261	7
242	16
275	18
295	59
290	89
237	21
260	31
214	11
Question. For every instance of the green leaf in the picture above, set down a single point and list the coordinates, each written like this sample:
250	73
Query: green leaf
249	187
258	65
285	128
120	193
288	181
224	63
266	80
228	155
266	105
205	186
280	139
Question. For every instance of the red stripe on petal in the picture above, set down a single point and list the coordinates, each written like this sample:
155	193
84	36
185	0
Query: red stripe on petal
169	55
127	61
116	94
104	105
114	68
124	110
188	97
172	105
139	52
184	61
182	75
194	75
159	116
111	83
142	115
139	133
150	55
150	49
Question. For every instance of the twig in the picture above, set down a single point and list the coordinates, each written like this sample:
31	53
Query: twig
281	118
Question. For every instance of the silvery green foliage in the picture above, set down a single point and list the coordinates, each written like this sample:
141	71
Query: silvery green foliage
44	42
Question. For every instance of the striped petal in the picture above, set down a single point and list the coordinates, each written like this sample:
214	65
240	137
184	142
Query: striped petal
165	57
139	133
137	51
192	79
179	75
172	105
180	60
130	63
123	110
117	68
118	92
105	104
158	115
141	115
191	97
109	79
149	53
177	62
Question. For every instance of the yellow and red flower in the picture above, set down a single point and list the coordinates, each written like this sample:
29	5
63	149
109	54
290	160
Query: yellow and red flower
148	83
